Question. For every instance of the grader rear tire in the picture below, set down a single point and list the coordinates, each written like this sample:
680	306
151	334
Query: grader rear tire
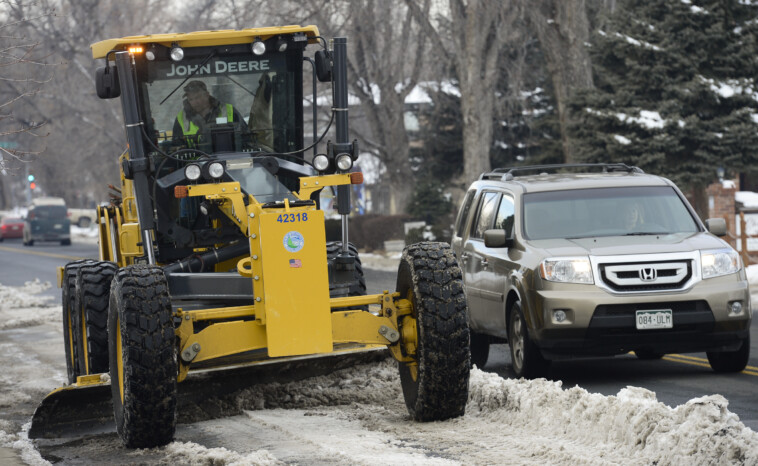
430	278
357	286
71	339
143	364
93	286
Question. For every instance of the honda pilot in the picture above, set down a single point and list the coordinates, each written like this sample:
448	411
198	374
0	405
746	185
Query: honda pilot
597	260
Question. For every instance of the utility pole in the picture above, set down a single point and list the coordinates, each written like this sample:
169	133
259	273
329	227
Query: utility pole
27	185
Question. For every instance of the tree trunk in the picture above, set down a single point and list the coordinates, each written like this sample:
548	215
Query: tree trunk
477	110
700	201
563	29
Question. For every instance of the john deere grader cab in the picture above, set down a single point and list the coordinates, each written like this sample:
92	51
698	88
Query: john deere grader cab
215	254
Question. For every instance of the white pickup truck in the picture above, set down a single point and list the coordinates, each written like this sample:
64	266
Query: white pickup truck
81	217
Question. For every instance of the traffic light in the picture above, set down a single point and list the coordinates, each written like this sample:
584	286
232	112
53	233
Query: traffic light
30	178
32	185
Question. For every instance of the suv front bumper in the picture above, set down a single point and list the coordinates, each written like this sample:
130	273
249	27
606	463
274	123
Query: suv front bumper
600	323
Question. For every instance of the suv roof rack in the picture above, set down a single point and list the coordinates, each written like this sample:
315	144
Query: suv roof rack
507	174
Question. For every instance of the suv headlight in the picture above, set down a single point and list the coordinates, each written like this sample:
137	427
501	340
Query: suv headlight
567	270
719	262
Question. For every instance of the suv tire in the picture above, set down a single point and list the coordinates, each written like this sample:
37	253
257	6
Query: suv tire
526	358
730	361
480	349
647	355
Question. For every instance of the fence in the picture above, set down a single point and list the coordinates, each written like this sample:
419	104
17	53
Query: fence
745	238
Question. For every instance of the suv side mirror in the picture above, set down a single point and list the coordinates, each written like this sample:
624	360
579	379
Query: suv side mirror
497	239
717	226
106	82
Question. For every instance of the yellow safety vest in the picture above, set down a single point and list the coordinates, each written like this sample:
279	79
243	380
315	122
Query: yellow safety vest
193	128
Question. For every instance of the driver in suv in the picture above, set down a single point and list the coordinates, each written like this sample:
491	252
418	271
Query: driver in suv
600	261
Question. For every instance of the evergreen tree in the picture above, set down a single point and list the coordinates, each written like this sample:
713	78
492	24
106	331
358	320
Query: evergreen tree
675	90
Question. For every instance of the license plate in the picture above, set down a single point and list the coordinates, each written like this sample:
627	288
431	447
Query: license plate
14	227
656	318
58	226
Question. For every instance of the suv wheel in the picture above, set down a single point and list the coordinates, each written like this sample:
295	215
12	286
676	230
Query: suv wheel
647	355
480	349
730	361
526	358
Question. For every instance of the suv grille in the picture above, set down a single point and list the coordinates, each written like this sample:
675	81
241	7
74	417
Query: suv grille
646	276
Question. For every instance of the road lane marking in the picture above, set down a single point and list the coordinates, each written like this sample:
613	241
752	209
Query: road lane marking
40	253
695	358
701	362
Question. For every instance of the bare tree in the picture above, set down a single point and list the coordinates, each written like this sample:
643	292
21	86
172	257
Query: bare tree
24	70
563	30
387	55
472	34
86	133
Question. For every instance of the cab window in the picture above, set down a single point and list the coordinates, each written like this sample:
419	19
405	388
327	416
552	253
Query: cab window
487	210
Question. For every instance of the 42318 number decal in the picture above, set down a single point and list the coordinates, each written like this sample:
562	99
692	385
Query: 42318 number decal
292	218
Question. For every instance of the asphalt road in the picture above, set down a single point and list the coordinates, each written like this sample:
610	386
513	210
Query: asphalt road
675	379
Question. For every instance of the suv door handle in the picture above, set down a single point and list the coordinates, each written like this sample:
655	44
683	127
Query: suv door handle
484	263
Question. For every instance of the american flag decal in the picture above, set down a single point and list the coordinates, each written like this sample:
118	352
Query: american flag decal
295	263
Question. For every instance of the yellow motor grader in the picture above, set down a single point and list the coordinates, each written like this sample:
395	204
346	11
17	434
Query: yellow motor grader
215	254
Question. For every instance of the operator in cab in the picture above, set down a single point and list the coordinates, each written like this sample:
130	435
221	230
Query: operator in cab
201	110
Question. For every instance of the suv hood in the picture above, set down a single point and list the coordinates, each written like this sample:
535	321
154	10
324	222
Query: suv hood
617	245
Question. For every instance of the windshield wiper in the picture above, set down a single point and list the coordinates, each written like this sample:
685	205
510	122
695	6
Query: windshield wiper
210	55
646	233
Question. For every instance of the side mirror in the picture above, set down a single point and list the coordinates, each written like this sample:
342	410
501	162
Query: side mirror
717	226
106	82
323	66
497	239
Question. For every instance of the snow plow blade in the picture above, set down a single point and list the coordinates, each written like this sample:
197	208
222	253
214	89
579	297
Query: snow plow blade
81	408
86	408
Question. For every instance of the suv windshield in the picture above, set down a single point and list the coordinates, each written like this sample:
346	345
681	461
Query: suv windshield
222	102
605	212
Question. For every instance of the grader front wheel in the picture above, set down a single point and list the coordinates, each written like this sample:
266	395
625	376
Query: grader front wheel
435	385
143	362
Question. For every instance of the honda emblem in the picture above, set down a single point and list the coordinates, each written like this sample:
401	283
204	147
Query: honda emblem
648	274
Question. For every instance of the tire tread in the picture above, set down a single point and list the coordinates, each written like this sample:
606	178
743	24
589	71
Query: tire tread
443	355
147	417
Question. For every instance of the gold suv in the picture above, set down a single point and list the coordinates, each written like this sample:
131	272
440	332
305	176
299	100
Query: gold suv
579	260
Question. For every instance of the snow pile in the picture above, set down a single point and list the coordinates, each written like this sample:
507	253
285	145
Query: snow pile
85	235
192	454
26	449
752	274
370	384
526	421
24	307
387	262
632	424
748	199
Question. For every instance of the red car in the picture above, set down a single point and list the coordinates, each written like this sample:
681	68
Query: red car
11	227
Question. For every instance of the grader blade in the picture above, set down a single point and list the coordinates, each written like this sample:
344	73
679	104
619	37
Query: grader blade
73	411
86	408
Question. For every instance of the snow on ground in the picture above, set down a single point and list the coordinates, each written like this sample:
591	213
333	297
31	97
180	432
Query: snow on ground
752	276
357	416
387	262
84	235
